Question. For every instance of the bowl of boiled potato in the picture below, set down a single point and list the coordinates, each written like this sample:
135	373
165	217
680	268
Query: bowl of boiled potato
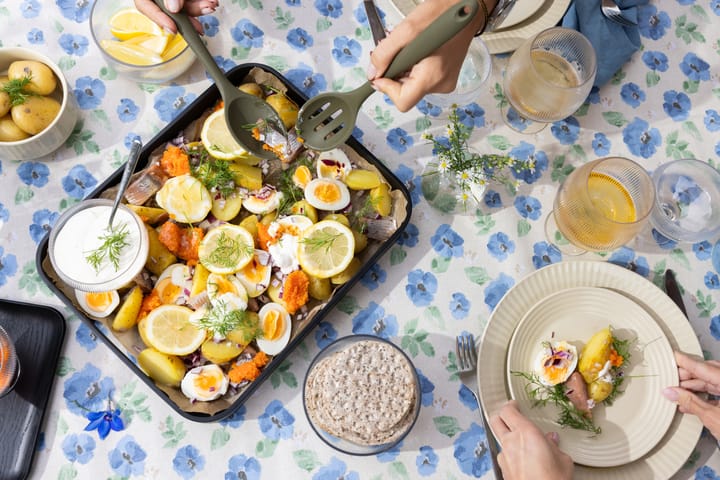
37	109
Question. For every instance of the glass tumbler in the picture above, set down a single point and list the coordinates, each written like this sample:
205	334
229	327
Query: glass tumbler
9	365
601	206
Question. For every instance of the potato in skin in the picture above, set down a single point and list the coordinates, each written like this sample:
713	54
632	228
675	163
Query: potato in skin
35	114
42	78
9	131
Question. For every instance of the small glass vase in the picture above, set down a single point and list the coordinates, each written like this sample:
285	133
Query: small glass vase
445	193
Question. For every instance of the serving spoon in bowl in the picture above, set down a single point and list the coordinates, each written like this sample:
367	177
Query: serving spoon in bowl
242	110
327	120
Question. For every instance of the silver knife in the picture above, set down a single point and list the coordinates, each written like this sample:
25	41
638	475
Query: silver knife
373	16
500	12
673	291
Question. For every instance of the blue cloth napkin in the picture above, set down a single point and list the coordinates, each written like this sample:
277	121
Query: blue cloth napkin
614	44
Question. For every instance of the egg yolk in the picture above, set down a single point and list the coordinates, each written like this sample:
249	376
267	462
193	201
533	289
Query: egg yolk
254	271
273	325
302	176
327	192
168	291
206	381
98	300
224	285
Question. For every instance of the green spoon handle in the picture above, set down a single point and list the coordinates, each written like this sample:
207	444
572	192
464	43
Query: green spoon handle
442	29
192	37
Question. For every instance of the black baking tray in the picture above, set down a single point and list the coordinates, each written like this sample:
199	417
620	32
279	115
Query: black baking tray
38	334
193	111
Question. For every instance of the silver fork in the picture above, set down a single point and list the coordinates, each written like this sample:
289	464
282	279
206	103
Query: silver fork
611	10
466	353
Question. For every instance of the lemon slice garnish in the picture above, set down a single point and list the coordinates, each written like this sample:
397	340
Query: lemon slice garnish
168	329
326	248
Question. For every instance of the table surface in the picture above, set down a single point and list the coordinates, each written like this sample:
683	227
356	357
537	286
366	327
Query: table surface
443	277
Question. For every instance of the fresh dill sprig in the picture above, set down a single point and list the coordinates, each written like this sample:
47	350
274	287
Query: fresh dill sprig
321	240
221	320
114	240
291	192
228	251
214	173
15	88
622	349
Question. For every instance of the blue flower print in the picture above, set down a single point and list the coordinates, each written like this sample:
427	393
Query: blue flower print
655	60
545	254
702	250
85	337
188	461
4	215
210	24
472	115
78	447
34	173
676	105
276	422
407	176
236	419
85	391
334	470
240	466
171	101
593	97
225	64
471	452
706	473
459	306
293	3
517	121
695	68
373	321
640	139
663	241
601	144
427	389
467	397
373	277
300	39
389	455
78	182
43	221
127	110
712	281
329	8
89	92
525	152
429	109
685	191
410	236
129	139
500	246
566	131
346	51
427	461
712	120
325	334
8	266
528	207
361	16
36	36
625	257
492	199
74	44
652	24
127	458
632	94
311	84
447	242
30	8
399	140
715	327
247	35
497	289
421	287
73	10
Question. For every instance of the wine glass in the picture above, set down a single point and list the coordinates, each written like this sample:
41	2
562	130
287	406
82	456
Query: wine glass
547	79
687	201
600	206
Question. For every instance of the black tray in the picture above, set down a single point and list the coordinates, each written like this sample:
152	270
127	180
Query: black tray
38	334
193	111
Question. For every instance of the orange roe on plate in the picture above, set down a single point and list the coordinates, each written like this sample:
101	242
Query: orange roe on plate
295	290
248	371
616	360
183	242
175	161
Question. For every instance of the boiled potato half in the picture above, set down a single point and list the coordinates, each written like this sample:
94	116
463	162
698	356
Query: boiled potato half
126	316
595	354
35	114
163	369
9	131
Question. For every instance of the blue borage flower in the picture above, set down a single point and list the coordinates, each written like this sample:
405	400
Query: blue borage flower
299	39
712	281
188	461
4	214
399	140
241	466
467	397
632	94
85	391
528	207
373	277
8	266
171	101
105	420
427	389
236	419
74	44
334	470
702	250
127	459
373	321
43	221
715	327
656	61
471	451
429	108
78	182
625	257
706	473
427	461
210	24
247	34
325	334
329	8
89	92
85	337
500	246
492	199
130	138
471	115
77	11
127	110
78	447
36	174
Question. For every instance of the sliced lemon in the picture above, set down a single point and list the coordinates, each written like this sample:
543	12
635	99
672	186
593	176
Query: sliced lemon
218	140
185	199
226	249
155	43
326	248
168	329
130	53
129	22
175	45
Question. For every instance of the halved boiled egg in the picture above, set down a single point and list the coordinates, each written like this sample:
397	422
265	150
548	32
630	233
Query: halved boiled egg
263	201
255	276
205	383
301	176
174	284
98	304
333	164
275	324
327	194
227	289
556	362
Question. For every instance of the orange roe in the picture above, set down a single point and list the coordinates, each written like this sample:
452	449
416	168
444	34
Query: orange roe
175	161
295	290
149	303
264	238
248	371
183	242
616	360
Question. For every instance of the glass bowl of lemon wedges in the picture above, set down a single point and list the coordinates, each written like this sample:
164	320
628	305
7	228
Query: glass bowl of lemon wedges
133	45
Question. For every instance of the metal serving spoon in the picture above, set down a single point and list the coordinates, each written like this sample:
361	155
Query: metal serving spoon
125	181
327	120
242	110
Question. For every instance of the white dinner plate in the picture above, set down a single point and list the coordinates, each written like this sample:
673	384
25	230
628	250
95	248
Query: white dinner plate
639	417
669	455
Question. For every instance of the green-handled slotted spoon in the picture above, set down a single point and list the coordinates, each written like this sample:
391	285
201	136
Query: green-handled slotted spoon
242	110
327	120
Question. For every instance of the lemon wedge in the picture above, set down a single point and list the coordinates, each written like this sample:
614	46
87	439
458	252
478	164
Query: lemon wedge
155	43
129	22
326	248
226	249
185	198
130	53
175	46
169	330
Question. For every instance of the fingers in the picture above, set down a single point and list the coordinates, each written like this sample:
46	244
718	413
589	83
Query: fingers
688	402
404	94
707	371
697	385
553	437
154	13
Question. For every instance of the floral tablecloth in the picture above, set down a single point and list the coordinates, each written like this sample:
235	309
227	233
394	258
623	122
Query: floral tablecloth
444	276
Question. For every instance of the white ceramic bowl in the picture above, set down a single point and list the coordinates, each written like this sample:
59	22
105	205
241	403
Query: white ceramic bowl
59	130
